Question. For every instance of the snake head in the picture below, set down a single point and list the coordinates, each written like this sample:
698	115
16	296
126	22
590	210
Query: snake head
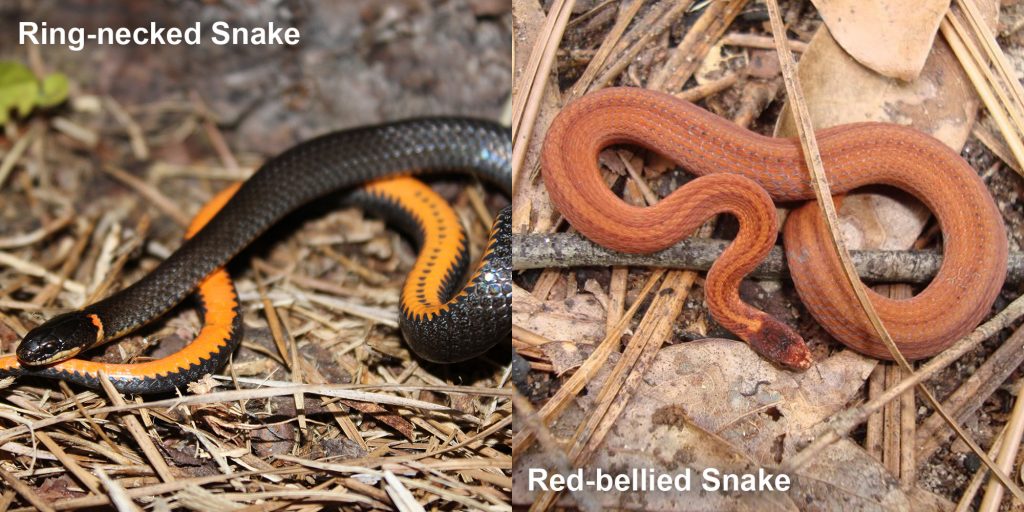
781	345
60	338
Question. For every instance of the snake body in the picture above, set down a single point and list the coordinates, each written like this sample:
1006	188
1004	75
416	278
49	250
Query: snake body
740	172
441	323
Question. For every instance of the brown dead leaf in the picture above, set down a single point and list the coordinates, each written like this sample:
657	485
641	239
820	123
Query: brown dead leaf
58	488
341	448
631	194
665	444
838	90
716	404
566	356
845	477
716	63
727	389
609	159
889	220
595	289
658	164
764	64
272	439
698	326
253	367
204	385
578	319
892	37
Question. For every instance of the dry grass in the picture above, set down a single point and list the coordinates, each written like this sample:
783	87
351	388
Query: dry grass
322	407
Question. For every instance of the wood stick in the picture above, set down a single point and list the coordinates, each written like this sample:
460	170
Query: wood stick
971	394
1007	454
757	41
138	432
695	45
891	439
875	426
843	423
563	250
25	491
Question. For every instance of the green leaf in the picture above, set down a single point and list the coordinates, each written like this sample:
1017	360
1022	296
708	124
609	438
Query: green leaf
55	90
21	91
18	89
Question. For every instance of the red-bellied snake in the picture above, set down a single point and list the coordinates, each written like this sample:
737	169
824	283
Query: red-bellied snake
738	172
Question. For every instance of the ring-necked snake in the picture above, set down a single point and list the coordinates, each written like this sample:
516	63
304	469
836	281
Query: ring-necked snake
738	172
440	323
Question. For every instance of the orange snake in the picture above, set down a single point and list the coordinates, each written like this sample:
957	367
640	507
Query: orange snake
738	172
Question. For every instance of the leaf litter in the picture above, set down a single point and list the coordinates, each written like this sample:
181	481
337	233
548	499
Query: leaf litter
942	102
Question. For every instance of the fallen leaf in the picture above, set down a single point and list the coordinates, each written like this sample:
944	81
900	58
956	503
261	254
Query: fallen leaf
579	319
594	288
764	64
708	404
272	439
838	90
58	488
888	220
716	64
609	159
845	477
665	444
727	389
204	385
892	37
565	356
